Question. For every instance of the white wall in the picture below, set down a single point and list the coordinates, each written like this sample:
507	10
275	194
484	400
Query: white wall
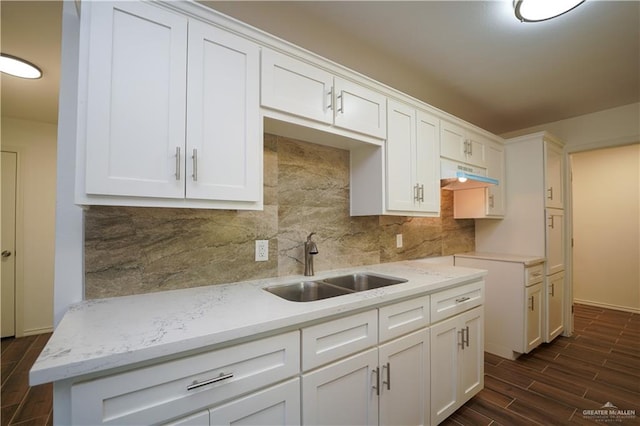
606	228
611	127
35	143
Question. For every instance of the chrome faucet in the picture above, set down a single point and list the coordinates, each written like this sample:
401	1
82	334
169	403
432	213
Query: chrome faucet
310	250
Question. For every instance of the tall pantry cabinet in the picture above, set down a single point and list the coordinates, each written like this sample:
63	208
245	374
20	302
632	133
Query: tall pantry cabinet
534	224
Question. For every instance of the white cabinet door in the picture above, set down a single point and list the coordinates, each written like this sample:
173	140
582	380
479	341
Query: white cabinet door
135	111
457	362
472	369
413	172
402	192
275	406
459	144
342	393
223	134
555	303
404	380
495	169
554	175
533	319
296	87
554	241
427	155
360	109
445	343
198	419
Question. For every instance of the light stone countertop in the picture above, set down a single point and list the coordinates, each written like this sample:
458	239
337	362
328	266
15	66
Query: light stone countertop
502	257
95	336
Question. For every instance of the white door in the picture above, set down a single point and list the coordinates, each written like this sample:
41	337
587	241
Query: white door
427	161
472	354
445	343
135	100
8	292
275	406
554	172
342	393
555	302
533	318
495	169
296	87
224	143
452	141
401	188
554	241
475	150
404	380
360	109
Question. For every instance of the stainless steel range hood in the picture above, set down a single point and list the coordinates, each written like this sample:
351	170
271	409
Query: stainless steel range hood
455	176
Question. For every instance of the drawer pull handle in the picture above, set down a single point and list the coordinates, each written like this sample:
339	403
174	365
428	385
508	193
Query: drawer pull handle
220	378
536	274
388	381
462	299
376	371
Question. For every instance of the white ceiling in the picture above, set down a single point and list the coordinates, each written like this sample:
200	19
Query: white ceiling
509	75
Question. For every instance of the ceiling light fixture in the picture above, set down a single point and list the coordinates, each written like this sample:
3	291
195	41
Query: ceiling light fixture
541	10
18	67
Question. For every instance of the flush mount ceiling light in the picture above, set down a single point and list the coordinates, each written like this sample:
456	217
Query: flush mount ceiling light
541	10
18	67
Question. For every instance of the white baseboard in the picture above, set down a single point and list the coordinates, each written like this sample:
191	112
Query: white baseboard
35	331
607	306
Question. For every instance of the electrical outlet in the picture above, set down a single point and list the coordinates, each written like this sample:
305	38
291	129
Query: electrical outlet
398	240
262	250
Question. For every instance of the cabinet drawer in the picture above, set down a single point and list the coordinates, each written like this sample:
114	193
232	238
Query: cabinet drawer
335	339
402	318
455	300
152	394
534	274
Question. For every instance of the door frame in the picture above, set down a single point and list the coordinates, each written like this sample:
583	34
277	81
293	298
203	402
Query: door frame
19	258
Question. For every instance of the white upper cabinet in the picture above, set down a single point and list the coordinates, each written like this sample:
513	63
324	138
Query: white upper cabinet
413	183
135	107
460	144
174	126
554	172
223	132
304	90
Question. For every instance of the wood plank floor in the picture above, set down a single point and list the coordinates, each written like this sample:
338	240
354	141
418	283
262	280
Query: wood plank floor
552	385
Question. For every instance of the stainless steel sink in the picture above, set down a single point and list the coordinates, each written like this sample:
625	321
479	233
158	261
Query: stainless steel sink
309	291
362	282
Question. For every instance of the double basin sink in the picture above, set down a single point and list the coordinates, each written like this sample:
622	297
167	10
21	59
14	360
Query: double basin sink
309	291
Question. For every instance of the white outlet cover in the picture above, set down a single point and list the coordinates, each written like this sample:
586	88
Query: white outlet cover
262	250
398	240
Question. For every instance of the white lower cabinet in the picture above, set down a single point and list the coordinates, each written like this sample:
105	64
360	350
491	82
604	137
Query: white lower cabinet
387	385
457	362
163	391
554	294
533	318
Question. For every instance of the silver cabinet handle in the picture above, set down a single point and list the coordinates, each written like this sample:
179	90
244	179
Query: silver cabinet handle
388	381
551	225
466	340
491	200
550	193
422	193
531	301
462	299
221	377
195	165
330	99
466	149
177	163
470	148
341	99
416	192
6	253
553	290
461	338
376	371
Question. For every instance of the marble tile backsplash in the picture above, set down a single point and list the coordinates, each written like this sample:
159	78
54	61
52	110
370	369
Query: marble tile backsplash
131	250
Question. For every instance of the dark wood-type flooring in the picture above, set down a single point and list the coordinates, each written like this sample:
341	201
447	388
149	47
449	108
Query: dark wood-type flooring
552	385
